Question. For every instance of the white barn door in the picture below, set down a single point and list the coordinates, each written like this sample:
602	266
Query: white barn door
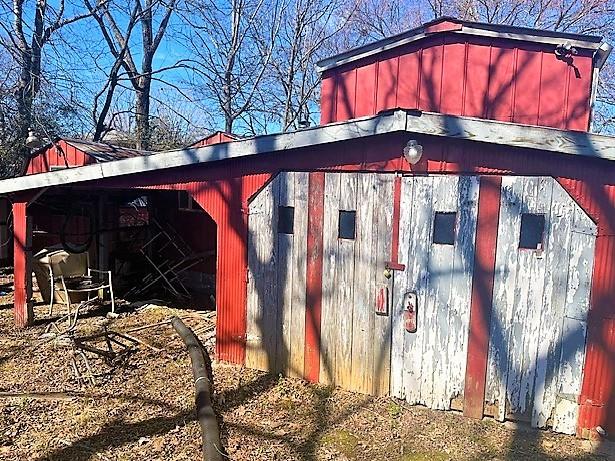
543	271
437	237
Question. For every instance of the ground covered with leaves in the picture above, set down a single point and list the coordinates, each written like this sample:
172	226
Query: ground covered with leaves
143	409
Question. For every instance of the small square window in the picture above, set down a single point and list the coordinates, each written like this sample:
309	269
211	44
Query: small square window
185	202
286	219
444	228
532	230
347	224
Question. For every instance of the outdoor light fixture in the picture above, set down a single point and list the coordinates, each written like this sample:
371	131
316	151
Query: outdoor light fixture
413	152
33	141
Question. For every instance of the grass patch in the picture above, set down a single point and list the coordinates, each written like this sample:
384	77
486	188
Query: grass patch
343	441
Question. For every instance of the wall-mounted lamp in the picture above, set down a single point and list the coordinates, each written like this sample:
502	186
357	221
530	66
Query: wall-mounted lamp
413	152
33	141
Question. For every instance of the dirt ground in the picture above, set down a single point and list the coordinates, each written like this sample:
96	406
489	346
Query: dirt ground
143	409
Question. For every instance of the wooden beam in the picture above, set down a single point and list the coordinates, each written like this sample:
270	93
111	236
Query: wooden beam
512	134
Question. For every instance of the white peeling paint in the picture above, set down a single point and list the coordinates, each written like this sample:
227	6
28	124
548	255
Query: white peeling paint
540	303
428	367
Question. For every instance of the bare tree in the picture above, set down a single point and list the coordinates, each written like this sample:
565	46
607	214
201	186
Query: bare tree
307	34
30	27
233	43
110	18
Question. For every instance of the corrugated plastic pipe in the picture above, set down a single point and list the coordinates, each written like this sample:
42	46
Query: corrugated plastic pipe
203	378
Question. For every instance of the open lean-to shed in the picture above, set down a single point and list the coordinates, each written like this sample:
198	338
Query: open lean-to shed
480	278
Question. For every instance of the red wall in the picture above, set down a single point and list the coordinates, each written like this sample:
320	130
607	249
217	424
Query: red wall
53	156
506	80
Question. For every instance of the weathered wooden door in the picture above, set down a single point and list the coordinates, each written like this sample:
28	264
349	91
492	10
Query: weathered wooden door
277	233
437	234
543	271
355	339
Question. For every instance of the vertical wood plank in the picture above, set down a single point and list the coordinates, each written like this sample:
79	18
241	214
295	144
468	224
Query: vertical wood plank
381	345
419	234
364	275
298	302
262	302
314	276
439	297
329	267
284	277
482	295
344	286
401	283
461	285
549	347
503	294
22	254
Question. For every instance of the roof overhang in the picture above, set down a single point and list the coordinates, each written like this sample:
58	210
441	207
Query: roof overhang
457	26
310	137
579	144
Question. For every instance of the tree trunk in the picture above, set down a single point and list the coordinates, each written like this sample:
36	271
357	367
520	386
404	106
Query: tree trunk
142	106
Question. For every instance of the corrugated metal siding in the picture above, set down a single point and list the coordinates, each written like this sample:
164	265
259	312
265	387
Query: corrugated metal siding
474	76
226	202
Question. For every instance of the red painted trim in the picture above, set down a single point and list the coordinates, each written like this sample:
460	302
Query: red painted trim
482	295
22	306
394	264
313	289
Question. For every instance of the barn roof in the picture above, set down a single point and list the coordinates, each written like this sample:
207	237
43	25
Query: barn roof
100	151
581	144
458	26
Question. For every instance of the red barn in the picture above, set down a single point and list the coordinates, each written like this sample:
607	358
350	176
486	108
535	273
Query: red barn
446	236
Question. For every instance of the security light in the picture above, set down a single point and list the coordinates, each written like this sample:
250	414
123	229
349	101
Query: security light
413	152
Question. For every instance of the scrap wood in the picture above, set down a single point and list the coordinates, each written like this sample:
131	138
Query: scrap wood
143	343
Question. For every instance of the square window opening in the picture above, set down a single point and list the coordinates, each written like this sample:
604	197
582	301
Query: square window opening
185	202
532	231
444	228
347	224
286	219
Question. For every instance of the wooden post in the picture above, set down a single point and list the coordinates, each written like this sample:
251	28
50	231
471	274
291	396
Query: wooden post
22	255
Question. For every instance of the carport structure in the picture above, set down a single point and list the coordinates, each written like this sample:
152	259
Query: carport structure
503	231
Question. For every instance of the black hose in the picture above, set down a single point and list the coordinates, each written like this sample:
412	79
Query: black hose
203	383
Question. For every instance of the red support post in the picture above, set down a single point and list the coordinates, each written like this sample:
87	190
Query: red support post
22	272
313	295
482	295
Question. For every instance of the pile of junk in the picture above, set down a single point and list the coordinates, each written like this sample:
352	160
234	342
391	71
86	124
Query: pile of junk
123	249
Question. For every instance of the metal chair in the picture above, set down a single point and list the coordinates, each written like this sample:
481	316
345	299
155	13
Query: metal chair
71	273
